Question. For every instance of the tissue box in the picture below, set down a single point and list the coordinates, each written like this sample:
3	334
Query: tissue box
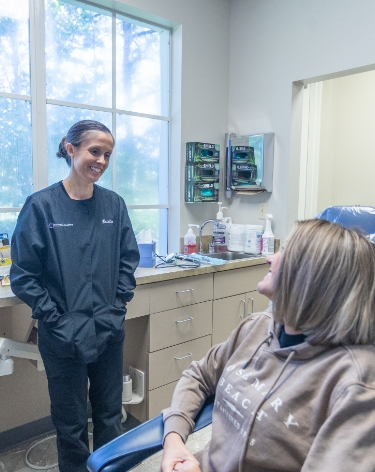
147	253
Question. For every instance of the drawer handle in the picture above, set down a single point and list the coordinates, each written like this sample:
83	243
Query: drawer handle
184	291
180	358
244	309
184	321
252	305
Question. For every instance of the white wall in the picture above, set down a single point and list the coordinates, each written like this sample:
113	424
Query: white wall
347	153
274	43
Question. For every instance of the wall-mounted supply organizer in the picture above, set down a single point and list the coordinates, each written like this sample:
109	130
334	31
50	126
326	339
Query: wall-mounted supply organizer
202	172
249	163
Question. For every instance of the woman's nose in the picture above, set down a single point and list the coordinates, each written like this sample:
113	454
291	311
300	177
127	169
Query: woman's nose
101	159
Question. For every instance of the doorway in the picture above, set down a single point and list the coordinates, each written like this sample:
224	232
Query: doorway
337	161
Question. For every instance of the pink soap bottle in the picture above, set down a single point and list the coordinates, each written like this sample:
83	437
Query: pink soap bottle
190	241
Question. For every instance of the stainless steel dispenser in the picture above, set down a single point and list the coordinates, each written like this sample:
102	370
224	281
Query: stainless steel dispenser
249	162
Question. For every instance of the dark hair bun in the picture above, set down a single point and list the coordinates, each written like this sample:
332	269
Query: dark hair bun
62	152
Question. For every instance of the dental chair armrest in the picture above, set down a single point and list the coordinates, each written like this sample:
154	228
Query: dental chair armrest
131	448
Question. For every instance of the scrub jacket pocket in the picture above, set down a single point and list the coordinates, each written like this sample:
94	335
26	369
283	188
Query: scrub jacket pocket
58	337
117	319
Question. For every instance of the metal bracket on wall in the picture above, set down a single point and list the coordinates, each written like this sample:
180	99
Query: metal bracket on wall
138	381
249	178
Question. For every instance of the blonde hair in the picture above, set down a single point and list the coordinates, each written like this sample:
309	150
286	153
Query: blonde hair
325	284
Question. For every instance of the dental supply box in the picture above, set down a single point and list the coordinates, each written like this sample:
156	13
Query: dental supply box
202	172
147	253
197	153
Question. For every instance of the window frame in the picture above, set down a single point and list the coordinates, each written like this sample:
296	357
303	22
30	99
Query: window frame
39	101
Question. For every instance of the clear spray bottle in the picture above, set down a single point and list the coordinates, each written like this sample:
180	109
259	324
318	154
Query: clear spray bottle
268	238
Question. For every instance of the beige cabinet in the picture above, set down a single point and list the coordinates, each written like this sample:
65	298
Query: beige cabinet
171	323
236	298
176	331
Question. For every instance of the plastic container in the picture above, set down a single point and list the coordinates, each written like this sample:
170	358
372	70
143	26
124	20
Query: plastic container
190	241
236	237
220	231
268	238
147	254
127	389
253	239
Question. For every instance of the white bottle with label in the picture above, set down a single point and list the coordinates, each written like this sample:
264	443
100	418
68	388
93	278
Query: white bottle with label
253	239
220	231
268	238
190	241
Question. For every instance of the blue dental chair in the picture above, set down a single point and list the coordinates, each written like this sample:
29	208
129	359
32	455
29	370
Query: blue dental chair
361	217
130	449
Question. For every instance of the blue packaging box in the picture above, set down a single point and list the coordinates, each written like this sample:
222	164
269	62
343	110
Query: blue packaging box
147	253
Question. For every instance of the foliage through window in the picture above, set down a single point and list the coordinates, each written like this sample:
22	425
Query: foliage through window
96	64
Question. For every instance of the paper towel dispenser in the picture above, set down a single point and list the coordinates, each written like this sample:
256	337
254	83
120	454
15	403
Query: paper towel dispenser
249	165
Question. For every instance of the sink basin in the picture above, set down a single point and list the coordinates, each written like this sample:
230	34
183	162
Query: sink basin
230	256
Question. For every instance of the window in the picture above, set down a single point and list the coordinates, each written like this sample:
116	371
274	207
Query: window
64	61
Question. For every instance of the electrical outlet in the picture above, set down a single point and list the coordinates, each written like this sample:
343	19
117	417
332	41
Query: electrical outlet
262	211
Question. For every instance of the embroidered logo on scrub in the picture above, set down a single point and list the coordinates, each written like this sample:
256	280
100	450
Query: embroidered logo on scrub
107	221
58	225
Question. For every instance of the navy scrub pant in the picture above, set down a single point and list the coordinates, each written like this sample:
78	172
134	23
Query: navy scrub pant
68	388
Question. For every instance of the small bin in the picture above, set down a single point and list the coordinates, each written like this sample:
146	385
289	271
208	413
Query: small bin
147	253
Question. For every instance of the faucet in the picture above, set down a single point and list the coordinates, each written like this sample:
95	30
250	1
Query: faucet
200	233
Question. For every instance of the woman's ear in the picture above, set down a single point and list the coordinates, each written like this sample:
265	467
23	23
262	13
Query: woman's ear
69	149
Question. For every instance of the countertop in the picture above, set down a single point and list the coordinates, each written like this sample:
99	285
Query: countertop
147	276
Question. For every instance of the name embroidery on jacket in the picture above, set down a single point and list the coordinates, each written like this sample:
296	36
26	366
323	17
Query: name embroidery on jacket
58	225
107	221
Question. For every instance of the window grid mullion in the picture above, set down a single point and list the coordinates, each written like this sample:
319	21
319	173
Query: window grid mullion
38	94
114	117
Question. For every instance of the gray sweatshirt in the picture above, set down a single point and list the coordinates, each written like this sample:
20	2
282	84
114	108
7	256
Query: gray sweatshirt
308	408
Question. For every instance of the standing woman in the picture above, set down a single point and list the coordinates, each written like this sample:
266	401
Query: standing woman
73	260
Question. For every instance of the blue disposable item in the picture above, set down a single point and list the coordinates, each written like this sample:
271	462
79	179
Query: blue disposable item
147	253
131	448
201	258
361	217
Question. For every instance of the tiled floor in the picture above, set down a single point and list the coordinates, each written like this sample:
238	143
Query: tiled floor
44	454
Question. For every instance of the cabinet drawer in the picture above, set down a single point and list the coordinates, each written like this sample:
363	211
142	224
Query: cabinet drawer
167	365
180	292
233	282
177	326
160	398
140	304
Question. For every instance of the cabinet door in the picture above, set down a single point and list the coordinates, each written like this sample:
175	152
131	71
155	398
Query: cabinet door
227	314
256	302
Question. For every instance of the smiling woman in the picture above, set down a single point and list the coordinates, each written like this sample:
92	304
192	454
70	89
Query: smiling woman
74	255
86	149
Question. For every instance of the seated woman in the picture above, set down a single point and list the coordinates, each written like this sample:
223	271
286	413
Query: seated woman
295	389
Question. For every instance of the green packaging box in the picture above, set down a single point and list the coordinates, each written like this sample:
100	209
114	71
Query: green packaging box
243	154
244	174
202	152
203	172
196	192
